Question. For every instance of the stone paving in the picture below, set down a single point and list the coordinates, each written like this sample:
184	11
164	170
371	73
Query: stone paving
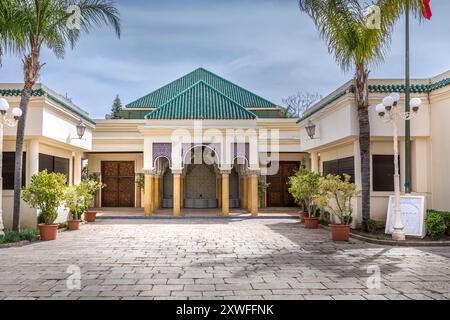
218	259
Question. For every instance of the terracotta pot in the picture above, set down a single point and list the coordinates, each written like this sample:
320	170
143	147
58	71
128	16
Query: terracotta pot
311	223
73	225
48	232
90	216
340	232
302	216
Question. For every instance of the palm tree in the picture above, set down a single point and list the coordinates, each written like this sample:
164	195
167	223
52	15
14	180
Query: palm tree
9	39
49	23
355	46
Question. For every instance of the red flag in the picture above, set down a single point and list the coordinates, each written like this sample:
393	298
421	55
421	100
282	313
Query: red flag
426	9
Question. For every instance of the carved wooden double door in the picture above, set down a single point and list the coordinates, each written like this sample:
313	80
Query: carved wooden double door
119	178
278	192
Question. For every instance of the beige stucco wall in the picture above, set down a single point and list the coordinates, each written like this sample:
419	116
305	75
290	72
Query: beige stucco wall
440	149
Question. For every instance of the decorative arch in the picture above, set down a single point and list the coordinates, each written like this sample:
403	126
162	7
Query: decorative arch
241	151
187	148
162	150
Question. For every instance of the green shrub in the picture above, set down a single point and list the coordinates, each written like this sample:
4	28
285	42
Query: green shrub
325	218
304	186
45	193
372	226
436	226
445	215
63	225
336	194
23	235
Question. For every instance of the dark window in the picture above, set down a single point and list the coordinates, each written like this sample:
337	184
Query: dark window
340	167
9	159
383	173
54	164
46	162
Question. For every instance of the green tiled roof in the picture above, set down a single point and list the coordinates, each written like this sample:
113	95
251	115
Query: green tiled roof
240	95
39	93
415	88
201	102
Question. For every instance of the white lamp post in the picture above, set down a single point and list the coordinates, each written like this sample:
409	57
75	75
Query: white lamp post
389	112
10	122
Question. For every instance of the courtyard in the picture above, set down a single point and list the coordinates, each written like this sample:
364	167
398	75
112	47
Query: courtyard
201	258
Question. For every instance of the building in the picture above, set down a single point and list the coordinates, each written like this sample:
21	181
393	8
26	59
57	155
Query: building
162	134
335	148
51	142
202	139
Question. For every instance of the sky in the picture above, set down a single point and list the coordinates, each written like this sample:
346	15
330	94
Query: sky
267	46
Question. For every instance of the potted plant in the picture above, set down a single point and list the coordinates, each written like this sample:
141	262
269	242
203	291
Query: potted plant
262	189
304	186
90	187
337	194
75	202
45	193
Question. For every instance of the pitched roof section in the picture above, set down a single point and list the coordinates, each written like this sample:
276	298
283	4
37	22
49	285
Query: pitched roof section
201	102
52	96
388	88
242	96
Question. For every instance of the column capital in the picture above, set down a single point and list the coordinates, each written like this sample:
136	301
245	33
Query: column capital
252	173
149	172
225	172
177	172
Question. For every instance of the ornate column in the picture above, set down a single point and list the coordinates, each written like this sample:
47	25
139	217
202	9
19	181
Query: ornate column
176	193
182	191
157	181
249	193
149	191
241	190
225	193
138	192
244	193
219	191
254	208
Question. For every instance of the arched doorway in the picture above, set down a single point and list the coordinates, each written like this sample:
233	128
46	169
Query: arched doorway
200	183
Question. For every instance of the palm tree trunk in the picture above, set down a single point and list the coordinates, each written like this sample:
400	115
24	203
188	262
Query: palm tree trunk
362	102
31	72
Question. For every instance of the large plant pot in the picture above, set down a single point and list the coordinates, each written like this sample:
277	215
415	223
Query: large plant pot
311	223
90	216
340	232
302	215
48	232
73	225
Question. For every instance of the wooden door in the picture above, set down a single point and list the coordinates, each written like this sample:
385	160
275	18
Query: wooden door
119	178
278	192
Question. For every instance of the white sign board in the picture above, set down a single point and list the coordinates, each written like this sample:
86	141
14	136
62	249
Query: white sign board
413	215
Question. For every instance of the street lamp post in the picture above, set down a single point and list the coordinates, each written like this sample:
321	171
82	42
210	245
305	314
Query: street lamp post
388	111
10	122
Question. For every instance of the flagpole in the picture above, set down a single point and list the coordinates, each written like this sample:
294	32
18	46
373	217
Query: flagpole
408	176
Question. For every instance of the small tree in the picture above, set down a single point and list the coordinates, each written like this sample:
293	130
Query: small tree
337	194
115	109
45	193
75	201
89	188
262	189
304	186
